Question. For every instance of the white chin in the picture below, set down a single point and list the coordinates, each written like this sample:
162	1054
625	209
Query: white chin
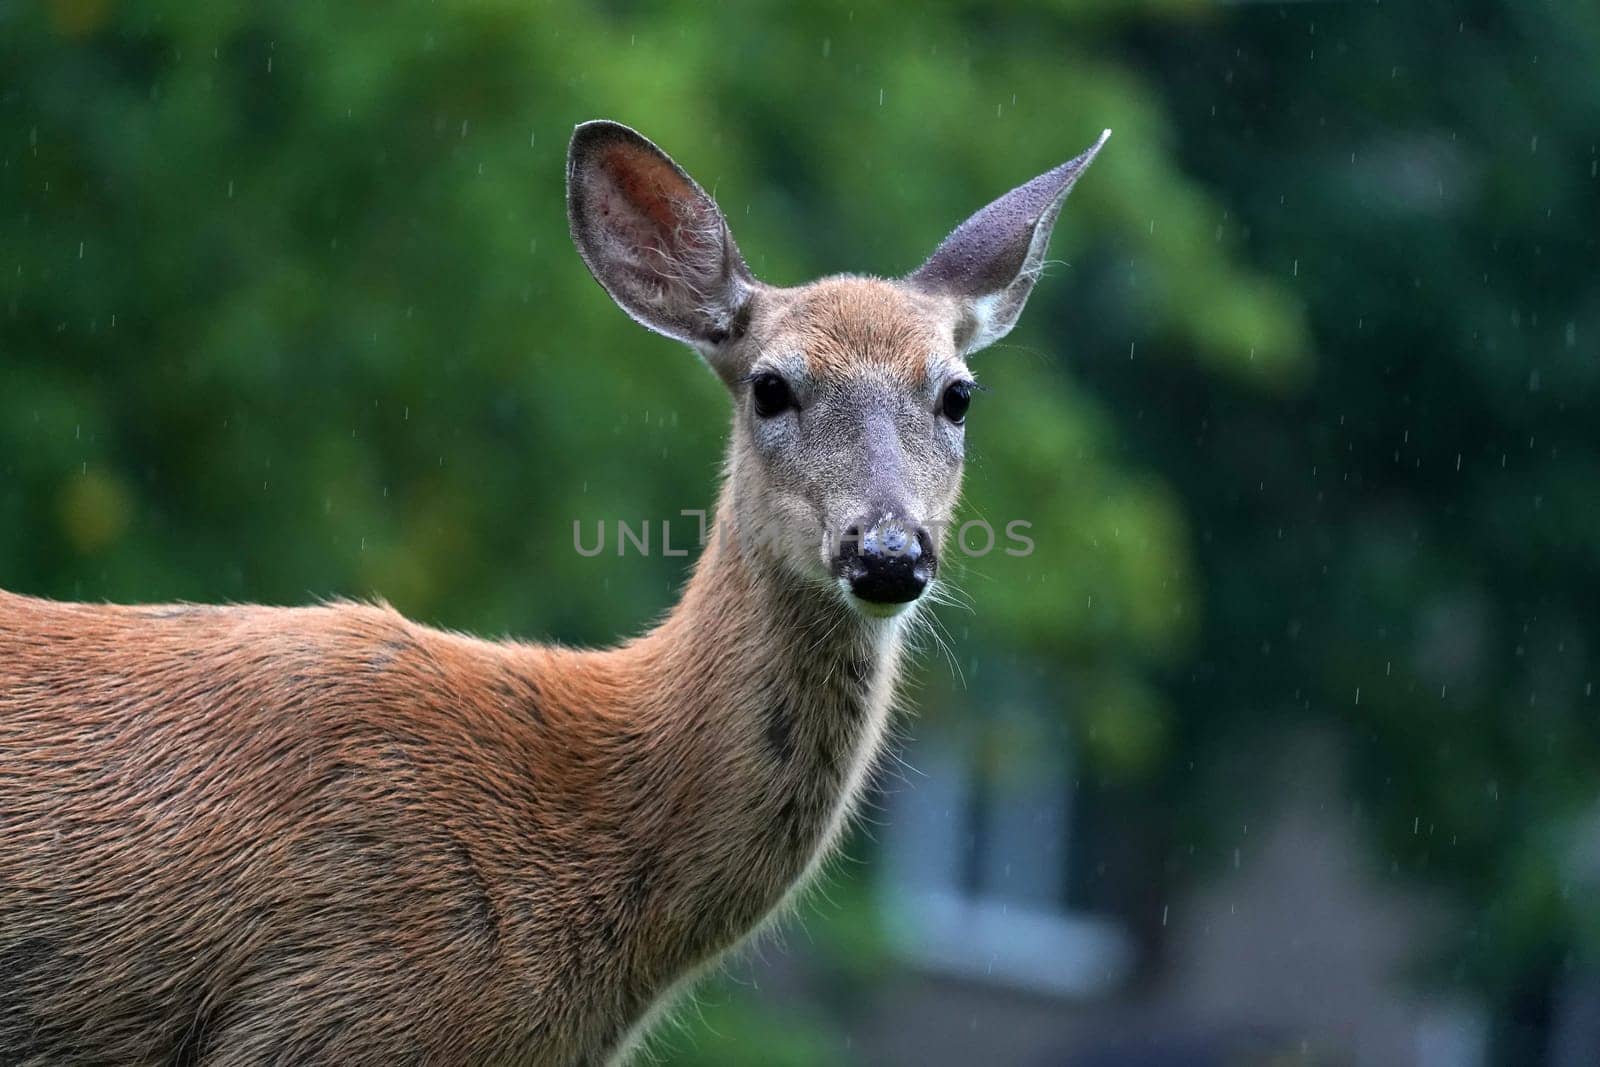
880	611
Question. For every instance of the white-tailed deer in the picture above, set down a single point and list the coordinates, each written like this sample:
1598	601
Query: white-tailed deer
240	835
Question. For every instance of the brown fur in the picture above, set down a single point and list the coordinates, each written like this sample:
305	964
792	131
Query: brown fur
238	835
234	835
845	324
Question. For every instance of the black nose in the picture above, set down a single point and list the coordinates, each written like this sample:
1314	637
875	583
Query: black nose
887	562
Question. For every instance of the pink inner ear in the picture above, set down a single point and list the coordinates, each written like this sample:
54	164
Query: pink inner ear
645	202
639	178
655	241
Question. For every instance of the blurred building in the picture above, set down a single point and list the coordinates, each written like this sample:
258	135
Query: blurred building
1296	952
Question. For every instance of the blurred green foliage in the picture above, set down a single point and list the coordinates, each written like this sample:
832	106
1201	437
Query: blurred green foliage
288	310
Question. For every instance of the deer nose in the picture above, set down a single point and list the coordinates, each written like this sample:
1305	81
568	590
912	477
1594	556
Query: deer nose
887	562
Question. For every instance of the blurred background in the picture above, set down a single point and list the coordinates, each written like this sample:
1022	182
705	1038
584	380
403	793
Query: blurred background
1282	747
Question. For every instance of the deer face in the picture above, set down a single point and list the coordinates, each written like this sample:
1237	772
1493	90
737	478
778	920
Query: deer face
848	438
851	394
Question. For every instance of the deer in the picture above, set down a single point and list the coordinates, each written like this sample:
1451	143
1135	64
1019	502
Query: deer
331	835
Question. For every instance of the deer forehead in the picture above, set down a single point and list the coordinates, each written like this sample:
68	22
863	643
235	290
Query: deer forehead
841	326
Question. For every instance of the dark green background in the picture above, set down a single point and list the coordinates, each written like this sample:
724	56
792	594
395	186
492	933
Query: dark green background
1304	406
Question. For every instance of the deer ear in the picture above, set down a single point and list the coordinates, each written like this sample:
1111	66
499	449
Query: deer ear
990	262
653	238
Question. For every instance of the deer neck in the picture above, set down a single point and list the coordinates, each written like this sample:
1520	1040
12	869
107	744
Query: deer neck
769	704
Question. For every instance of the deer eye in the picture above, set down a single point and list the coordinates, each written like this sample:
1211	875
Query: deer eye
954	404
771	395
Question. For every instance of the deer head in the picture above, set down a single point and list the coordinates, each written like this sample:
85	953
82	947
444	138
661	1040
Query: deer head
850	393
